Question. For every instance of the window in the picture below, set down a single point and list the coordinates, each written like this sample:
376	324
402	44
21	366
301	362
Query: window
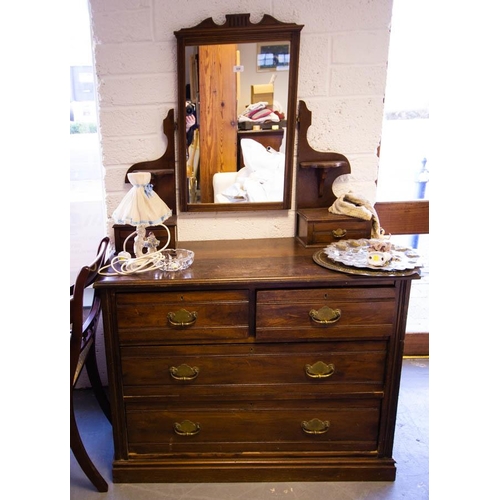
87	208
404	152
405	164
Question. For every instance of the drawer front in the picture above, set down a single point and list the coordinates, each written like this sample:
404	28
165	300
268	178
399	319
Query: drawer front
148	318
338	426
213	371
324	233
344	313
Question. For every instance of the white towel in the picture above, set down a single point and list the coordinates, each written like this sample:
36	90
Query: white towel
359	207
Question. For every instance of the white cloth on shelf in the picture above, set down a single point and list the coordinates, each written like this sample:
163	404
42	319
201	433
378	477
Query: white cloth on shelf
258	113
262	178
359	207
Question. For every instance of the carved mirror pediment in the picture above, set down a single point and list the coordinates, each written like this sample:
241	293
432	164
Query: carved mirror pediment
237	91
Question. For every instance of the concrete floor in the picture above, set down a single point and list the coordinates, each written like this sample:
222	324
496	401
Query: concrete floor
411	452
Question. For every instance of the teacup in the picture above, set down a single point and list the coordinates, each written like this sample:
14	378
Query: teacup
378	259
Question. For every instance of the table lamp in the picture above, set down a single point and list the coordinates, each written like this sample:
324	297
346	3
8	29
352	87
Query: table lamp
142	207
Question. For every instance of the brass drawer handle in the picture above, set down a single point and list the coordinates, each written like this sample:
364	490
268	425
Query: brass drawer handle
184	372
339	233
325	316
182	318
320	370
315	426
186	428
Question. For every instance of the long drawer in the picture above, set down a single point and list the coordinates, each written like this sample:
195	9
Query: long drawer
148	318
338	313
254	427
223	372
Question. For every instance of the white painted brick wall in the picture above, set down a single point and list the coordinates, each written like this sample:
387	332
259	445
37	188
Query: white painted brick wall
342	73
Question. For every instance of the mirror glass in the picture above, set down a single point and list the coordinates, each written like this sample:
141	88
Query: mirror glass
237	100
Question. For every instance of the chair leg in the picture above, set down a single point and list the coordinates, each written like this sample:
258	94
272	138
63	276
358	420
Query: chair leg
95	382
82	457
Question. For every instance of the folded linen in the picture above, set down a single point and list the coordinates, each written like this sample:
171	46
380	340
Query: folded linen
258	113
359	207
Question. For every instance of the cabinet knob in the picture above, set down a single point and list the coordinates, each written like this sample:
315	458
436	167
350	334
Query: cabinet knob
182	318
184	372
325	316
320	370
339	233
315	426
186	428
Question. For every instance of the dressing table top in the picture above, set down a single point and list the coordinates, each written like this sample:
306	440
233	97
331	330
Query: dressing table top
259	261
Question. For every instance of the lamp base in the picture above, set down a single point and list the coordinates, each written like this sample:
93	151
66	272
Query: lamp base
123	231
139	240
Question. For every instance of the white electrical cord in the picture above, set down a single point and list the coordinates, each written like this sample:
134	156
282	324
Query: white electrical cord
124	264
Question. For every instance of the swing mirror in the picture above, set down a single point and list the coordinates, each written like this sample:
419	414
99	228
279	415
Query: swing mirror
237	91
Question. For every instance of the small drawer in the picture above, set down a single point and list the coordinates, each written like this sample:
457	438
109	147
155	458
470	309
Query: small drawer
343	313
254	427
200	372
153	317
317	227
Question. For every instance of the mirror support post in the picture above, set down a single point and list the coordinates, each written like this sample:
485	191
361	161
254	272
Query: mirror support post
325	166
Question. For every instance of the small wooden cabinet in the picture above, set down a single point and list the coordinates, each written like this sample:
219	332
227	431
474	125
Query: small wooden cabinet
228	371
317	227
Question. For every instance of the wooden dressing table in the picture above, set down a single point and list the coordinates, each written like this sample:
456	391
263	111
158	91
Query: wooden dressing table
254	364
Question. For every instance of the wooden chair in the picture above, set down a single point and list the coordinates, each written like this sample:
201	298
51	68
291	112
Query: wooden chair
82	353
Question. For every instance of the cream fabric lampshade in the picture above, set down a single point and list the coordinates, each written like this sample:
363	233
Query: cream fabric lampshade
141	205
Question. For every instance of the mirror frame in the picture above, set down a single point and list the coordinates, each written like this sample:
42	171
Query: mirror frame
238	29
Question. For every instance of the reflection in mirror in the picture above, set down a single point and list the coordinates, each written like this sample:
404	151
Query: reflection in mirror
237	95
246	147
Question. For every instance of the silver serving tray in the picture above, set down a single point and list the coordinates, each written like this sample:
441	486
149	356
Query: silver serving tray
354	253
